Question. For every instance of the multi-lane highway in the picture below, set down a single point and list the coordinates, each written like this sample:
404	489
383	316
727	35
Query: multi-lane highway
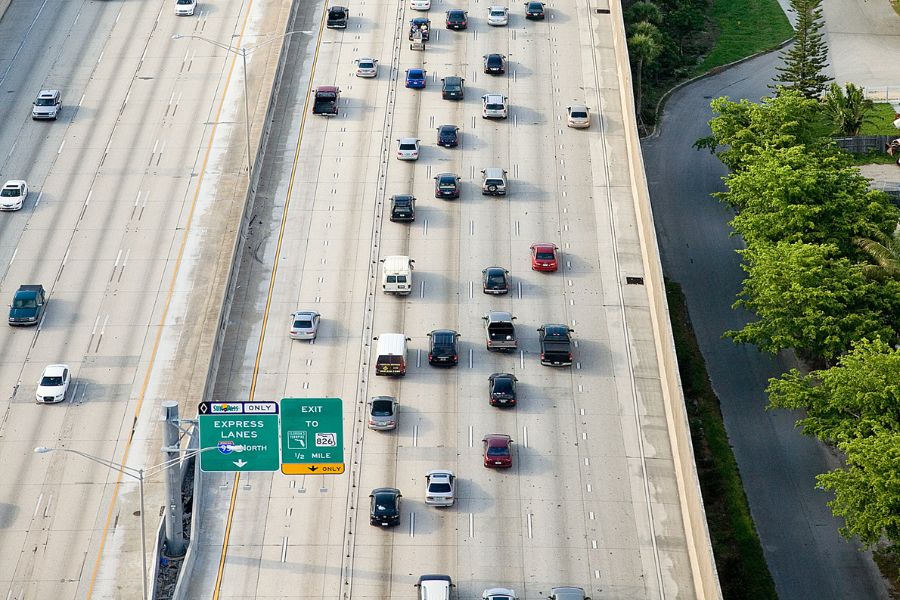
592	497
124	224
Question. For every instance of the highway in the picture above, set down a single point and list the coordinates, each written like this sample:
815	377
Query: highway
592	498
119	227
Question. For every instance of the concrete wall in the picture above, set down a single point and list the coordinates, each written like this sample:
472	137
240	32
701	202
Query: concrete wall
699	546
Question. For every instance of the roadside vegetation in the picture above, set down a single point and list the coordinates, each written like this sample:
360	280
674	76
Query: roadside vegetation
742	568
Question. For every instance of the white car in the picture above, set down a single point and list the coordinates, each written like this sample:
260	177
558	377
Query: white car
494	106
420	4
408	149
440	487
578	116
304	325
53	385
498	16
185	8
47	105
13	194
499	593
366	67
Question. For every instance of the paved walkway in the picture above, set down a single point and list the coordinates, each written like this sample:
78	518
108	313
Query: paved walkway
806	555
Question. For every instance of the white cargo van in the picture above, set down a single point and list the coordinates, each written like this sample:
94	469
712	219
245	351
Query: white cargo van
391	354
396	275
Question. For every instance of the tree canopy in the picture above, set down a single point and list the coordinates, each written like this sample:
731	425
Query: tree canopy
806	58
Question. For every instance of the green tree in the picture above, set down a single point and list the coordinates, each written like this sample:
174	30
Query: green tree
856	398
797	195
884	250
644	46
846	107
643	12
809	298
740	130
867	490
806	58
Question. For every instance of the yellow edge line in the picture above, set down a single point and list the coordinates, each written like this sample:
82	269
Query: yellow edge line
162	321
262	334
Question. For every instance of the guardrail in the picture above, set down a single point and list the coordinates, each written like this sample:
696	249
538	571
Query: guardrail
882	93
703	565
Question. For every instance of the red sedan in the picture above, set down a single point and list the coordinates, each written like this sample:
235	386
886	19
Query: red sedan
544	258
497	451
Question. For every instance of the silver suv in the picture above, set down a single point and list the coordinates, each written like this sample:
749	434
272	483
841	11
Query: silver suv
47	105
493	181
494	106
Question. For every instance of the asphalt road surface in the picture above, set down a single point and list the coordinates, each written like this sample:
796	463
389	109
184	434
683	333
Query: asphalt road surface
590	500
806	555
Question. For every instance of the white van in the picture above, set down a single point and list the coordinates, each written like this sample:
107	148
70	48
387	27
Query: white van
434	587
396	275
391	354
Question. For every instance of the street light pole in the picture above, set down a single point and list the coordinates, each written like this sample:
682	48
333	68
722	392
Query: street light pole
243	50
138	474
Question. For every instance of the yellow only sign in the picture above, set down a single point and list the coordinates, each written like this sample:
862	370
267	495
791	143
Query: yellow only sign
307	469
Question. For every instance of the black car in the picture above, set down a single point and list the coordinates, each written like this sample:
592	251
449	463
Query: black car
337	17
495	280
452	88
446	185
448	136
403	208
456	19
420	24
28	305
495	64
384	508
443	349
502	389
534	11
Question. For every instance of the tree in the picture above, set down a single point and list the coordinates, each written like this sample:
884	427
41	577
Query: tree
806	59
867	490
809	298
643	12
885	251
856	398
847	109
744	129
643	47
797	195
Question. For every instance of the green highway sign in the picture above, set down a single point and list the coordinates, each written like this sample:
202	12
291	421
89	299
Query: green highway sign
250	427
312	436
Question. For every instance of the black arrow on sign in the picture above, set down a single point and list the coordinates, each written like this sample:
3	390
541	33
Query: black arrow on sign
313	468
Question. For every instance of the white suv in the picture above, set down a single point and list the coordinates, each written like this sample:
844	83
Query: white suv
494	106
47	105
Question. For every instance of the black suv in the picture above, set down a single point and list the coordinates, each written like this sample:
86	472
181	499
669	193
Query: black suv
452	88
502	389
448	136
443	349
534	11
337	17
495	64
28	305
446	185
403	208
384	508
456	19
495	280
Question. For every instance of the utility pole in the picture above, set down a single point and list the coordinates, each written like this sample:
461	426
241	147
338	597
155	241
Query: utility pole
175	545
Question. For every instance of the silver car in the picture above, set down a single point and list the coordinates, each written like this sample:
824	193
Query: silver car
47	105
408	149
440	487
304	325
498	16
383	413
568	593
499	593
578	116
366	67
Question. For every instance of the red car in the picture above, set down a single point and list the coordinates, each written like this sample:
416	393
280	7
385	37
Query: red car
543	257
497	451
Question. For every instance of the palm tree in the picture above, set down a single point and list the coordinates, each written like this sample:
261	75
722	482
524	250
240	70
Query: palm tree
884	250
847	110
643	47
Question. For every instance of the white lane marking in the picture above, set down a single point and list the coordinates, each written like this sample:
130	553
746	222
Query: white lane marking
47	508
591	515
525	436
61	146
412	524
415	435
12	148
471	437
16	251
471	358
100	58
517	229
584	435
66	256
589	488
586	461
94	330
137	198
578	364
522	359
127	97
573	322
471	525
571	301
418	357
37	506
515	120
530	526
425	233
305	385
284	542
38	201
519	285
118	256
422	293
596	574
594	544
570	283
471	227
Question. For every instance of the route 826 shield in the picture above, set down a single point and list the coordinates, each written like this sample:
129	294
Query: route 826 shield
326	440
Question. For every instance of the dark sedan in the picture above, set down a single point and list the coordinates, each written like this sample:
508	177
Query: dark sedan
494	64
448	136
446	185
452	88
534	11
384	508
495	280
502	389
456	19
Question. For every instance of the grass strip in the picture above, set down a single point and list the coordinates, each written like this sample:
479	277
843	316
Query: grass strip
745	27
743	572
